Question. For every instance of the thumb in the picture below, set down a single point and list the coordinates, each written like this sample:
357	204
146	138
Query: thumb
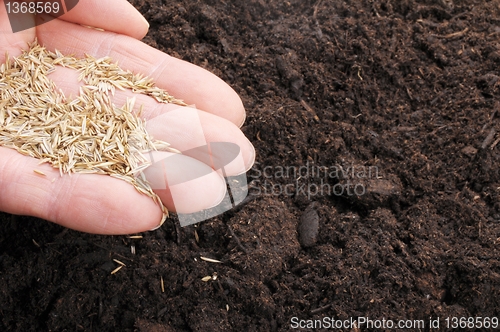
86	202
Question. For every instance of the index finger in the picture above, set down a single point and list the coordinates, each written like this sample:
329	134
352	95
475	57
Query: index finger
181	79
111	15
117	16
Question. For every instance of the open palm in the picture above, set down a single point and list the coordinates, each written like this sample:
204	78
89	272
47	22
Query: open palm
98	203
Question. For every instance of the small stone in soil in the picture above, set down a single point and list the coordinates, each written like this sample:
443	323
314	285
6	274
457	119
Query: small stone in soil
309	227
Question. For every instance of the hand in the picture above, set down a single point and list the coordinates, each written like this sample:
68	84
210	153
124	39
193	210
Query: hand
99	203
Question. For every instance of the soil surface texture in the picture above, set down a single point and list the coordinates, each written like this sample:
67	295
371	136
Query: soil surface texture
375	193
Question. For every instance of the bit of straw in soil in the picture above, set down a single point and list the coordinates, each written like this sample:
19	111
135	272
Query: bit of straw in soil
86	135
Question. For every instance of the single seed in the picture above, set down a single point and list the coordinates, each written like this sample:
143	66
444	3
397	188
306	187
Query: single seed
211	260
117	269
117	261
39	172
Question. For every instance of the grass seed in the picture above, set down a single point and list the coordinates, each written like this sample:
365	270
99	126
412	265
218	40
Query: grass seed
39	172
117	269
88	134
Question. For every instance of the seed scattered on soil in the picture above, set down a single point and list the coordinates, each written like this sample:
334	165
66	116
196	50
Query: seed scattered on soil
117	269
211	260
88	134
119	262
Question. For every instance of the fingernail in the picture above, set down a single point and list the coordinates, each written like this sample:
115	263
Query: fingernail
251	158
243	120
146	21
221	195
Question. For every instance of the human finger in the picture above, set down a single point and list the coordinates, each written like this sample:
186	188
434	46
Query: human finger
184	184
183	80
117	16
100	204
187	129
194	132
86	202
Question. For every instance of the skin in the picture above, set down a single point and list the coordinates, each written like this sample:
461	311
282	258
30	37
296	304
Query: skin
98	203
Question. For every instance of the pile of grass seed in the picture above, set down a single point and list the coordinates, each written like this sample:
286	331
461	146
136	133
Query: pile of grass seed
88	134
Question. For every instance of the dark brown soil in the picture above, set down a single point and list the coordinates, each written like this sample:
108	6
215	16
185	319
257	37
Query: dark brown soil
407	88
